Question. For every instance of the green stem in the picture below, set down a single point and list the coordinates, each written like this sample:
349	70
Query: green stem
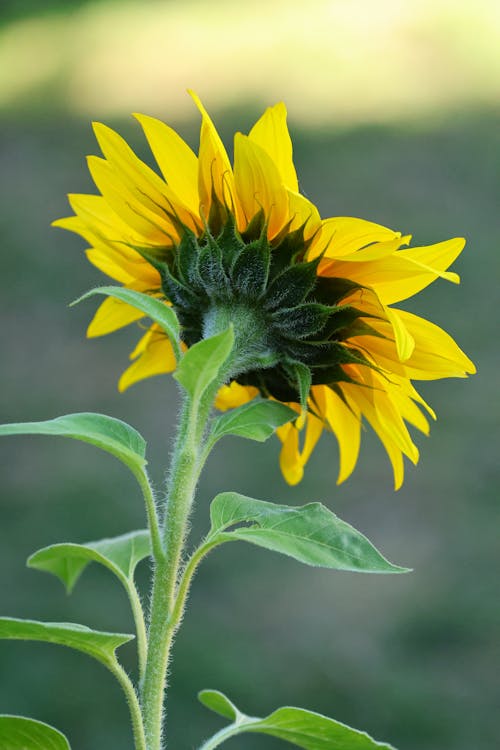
140	625
183	479
152	513
133	704
220	737
185	582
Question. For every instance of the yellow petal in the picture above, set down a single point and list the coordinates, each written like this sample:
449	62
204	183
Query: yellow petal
157	359
110	267
123	268
435	346
345	423
214	169
290	462
405	343
140	179
112	315
99	217
409	410
355	396
259	185
343	235
435	355
270	132
234	394
313	429
404	273
176	160
148	225
72	224
303	213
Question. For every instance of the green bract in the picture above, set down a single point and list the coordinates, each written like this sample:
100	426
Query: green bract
289	323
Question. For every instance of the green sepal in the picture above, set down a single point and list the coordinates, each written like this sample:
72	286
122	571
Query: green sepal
99	645
306	729
301	322
256	420
67	561
186	261
109	434
20	733
310	533
301	378
291	287
154	308
250	270
213	275
203	362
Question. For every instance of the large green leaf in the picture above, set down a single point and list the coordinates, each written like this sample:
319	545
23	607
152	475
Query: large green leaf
19	733
310	533
109	434
92	642
154	308
256	420
68	561
203	362
305	729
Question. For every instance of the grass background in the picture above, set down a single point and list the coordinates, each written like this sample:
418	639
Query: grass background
411	659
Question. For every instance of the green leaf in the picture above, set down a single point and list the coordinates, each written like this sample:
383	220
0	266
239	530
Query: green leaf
202	363
109	434
19	733
68	561
92	642
219	703
256	420
153	307
310	533
305	729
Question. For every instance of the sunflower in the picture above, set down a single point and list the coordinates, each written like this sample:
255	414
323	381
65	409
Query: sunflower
312	300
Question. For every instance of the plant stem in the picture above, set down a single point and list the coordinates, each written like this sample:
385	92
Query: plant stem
140	626
152	514
133	704
185	582
183	478
221	736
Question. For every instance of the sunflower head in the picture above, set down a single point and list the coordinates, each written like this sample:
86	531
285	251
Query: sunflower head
311	299
290	324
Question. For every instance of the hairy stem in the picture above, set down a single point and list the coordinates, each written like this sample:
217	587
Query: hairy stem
221	736
140	626
152	514
183	479
133	704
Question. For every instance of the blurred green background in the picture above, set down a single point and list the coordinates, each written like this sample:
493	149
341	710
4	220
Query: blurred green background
394	109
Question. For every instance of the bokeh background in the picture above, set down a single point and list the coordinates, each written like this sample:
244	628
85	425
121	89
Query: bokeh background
394	108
